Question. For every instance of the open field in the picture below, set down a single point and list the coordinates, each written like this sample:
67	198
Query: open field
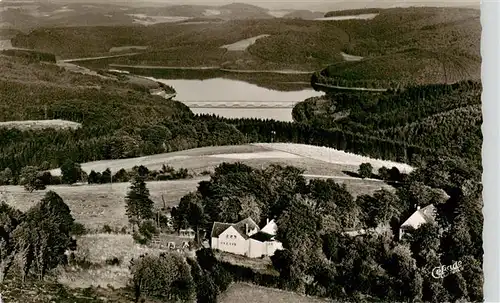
151	20
249	293
99	205
348	57
352	17
40	124
5	44
313	160
174	159
243	44
332	155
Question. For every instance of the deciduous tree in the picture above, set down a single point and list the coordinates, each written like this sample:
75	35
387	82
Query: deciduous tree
44	235
365	170
30	180
71	172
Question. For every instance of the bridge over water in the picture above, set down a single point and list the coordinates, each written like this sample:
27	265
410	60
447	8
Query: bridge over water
240	104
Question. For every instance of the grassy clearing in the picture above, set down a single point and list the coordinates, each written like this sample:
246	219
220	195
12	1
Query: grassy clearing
175	159
248	293
259	155
242	45
332	155
40	124
99	205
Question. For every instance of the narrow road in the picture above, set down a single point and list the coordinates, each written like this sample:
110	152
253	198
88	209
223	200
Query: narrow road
246	71
252	71
98	58
166	67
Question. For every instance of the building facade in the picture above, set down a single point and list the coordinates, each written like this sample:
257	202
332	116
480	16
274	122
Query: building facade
245	238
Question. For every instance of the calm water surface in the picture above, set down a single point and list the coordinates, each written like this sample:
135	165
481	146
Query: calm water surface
228	92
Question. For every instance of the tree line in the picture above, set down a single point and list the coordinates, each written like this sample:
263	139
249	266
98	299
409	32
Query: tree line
37	178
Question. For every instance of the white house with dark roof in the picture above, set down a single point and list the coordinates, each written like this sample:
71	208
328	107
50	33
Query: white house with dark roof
419	217
245	238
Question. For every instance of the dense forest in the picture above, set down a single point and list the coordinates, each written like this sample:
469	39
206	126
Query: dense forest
320	259
446	119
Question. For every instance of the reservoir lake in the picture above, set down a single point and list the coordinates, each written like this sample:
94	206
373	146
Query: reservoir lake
237	99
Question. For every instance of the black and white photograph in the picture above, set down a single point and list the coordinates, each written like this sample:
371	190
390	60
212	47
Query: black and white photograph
241	152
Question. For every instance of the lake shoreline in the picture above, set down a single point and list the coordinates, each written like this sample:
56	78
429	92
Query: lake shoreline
215	68
236	99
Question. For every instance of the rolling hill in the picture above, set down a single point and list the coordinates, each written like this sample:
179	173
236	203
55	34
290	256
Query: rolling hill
411	45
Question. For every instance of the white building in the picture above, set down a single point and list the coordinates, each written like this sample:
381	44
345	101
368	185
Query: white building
245	238
419	217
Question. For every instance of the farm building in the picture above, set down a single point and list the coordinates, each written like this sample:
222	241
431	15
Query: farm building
245	238
419	217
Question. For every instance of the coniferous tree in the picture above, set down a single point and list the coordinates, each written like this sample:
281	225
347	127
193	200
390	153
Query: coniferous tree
93	178
106	176
139	206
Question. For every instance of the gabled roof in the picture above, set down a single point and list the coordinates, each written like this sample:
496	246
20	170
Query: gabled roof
218	228
421	216
270	228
